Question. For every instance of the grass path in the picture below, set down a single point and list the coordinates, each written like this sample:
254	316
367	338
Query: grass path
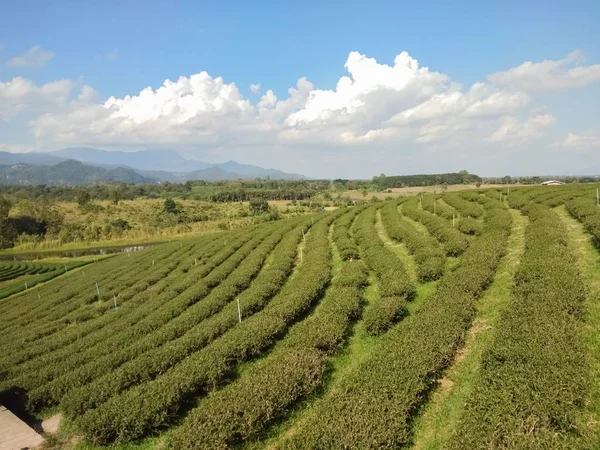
442	413
588	259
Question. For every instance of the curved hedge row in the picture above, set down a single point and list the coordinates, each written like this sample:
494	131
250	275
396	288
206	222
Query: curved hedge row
429	256
229	279
533	382
110	274
43	272
146	407
193	329
151	314
295	369
81	292
468	225
395	285
454	241
341	234
464	207
374	406
430	203
587	212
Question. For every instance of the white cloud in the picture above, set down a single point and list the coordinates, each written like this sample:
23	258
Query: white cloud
396	108
20	94
549	75
268	100
580	141
109	56
35	56
514	128
15	148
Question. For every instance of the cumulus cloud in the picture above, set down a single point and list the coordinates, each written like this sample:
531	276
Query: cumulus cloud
549	75
20	94
514	128
374	105
35	56
580	141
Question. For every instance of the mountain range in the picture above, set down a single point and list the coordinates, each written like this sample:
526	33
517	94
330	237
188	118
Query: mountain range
82	165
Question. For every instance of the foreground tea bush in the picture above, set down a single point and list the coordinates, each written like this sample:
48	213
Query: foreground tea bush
296	368
192	330
395	285
587	212
105	355
375	404
454	241
533	381
430	203
465	207
428	254
146	407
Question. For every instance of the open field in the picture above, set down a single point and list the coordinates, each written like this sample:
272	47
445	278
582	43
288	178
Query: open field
445	321
399	192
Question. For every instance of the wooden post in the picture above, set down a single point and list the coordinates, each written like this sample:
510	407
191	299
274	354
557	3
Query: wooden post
115	299
97	290
195	261
239	310
26	285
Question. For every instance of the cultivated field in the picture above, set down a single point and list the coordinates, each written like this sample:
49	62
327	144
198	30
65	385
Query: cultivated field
464	320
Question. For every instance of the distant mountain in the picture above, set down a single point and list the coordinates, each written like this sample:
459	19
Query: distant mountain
159	162
248	171
46	159
166	160
213	174
66	173
153	165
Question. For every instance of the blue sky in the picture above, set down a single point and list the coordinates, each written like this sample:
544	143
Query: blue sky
116	49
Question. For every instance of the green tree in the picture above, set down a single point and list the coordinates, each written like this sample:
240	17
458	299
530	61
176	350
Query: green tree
259	206
8	234
114	195
170	206
466	179
5	206
83	198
